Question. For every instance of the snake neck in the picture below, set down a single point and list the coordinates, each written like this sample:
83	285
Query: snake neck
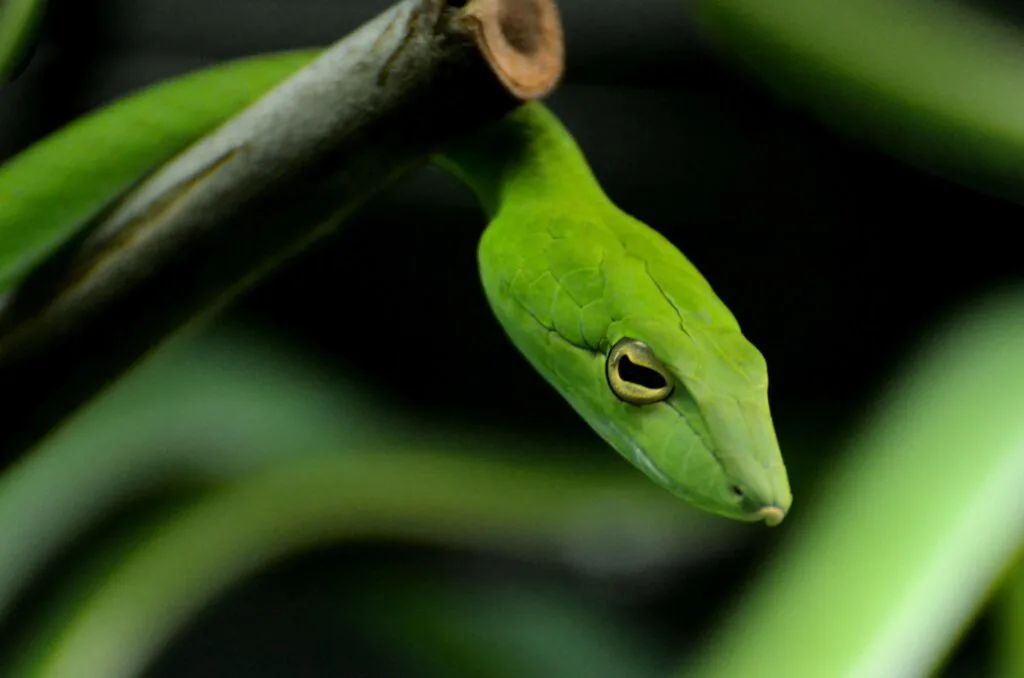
528	153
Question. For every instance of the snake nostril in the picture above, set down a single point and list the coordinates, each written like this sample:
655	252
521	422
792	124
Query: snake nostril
737	490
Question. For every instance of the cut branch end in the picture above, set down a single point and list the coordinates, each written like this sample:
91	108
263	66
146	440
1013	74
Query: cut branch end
522	41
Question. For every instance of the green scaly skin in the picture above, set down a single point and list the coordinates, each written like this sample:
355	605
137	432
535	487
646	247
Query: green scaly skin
566	273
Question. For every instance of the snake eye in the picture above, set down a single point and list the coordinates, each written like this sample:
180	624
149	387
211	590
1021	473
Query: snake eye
635	375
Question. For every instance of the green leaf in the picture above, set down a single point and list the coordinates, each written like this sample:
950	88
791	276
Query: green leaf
1009	620
938	84
422	496
459	625
19	27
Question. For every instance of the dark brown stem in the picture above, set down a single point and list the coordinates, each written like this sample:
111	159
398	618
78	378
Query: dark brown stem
261	188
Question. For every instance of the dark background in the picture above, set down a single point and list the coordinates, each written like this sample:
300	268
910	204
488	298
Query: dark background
836	259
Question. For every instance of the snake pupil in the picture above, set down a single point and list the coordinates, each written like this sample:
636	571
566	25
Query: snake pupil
640	375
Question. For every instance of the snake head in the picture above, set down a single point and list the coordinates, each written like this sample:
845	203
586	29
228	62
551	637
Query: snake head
629	332
621	324
708	437
707	434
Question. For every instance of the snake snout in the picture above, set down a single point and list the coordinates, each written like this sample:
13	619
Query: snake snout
771	515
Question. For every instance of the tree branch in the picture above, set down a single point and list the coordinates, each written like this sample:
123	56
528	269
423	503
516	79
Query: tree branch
261	188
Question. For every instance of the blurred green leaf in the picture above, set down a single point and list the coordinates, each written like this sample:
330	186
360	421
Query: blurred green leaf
460	625
427	622
285	459
424	496
34	627
196	413
901	546
1010	623
938	84
19	28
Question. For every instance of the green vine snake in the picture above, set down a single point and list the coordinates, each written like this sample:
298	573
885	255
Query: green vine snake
619	322
759	636
612	315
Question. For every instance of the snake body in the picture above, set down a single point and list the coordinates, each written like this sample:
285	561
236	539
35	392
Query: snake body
612	315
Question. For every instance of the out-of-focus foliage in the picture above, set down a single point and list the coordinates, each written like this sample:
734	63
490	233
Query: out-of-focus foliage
281	461
939	84
1009	657
532	628
19	25
892	556
899	547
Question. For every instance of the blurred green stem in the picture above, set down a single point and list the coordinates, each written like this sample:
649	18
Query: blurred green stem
878	576
901	546
19	21
938	84
203	413
1010	623
415	497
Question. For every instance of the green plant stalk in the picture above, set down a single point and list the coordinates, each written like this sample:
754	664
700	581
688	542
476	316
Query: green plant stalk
215	409
489	626
198	413
841	597
1009	619
19	23
29	632
430	622
287	508
906	540
211	410
938	84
